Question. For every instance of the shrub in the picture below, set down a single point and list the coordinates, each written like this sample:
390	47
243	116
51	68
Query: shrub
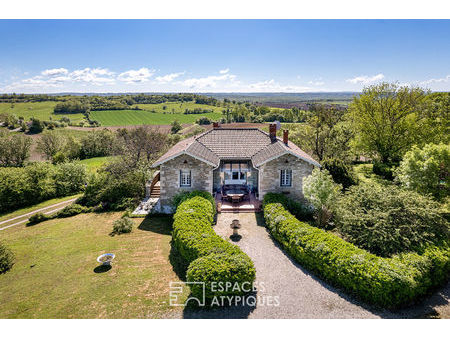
207	257
176	127
426	170
321	191
384	170
387	220
122	226
341	173
6	258
38	218
72	210
185	195
203	121
36	126
387	282
299	210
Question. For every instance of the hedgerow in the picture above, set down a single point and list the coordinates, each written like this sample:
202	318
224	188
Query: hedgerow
208	258
387	282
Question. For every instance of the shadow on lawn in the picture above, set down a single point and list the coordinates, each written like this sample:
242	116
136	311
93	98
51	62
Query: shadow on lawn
160	224
102	268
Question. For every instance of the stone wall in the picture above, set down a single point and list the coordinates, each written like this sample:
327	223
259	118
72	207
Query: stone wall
269	179
201	178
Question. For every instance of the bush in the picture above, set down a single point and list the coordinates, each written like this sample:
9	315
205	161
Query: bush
38	218
387	282
207	257
384	170
321	191
6	258
387	220
203	121
185	195
36	126
426	170
341	173
72	210
299	210
122	226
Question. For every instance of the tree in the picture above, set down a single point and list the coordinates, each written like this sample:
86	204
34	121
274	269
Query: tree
341	172
387	120
387	219
426	170
321	191
176	127
327	133
14	150
36	126
51	143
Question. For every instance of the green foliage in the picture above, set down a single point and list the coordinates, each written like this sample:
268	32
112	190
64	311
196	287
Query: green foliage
72	210
207	257
6	258
299	210
176	127
71	107
426	170
385	170
122	226
38	218
203	121
36	126
388	220
97	143
185	195
341	173
37	182
14	150
387	282
388	119
321	191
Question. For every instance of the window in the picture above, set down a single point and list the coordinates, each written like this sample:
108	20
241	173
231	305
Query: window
286	178
185	178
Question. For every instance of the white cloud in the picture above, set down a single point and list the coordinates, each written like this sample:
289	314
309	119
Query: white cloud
55	72
441	80
136	76
209	82
364	79
224	71
316	83
169	77
96	76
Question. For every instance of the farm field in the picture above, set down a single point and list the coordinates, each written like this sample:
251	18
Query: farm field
39	110
109	118
56	274
95	163
177	107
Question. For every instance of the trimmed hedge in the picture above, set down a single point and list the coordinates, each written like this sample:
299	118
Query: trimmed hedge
387	282
299	210
208	258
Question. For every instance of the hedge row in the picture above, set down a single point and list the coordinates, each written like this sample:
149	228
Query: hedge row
208	258
387	282
68	211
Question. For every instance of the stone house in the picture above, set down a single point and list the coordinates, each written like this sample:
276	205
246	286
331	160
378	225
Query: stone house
222	156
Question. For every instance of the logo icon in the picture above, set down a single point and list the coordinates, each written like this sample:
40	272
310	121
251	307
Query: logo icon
176	290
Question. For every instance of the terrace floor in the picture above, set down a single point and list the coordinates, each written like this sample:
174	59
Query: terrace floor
251	205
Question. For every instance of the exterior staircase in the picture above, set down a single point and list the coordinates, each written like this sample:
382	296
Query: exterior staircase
155	192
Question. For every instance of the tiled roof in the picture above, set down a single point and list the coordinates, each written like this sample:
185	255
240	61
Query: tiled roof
234	144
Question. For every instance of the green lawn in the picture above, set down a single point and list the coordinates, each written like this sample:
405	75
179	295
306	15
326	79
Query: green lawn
95	163
56	274
39	110
136	117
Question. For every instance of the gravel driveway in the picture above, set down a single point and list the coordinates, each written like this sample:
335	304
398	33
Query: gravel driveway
301	295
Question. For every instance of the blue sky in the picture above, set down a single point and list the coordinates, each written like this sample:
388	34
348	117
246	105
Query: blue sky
45	56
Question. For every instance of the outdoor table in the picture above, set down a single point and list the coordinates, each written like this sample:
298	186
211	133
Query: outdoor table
235	194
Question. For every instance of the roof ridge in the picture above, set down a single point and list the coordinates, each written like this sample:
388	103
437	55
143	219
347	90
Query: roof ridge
266	146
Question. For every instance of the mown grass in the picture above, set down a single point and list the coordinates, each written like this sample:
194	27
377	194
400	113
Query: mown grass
56	274
39	110
95	163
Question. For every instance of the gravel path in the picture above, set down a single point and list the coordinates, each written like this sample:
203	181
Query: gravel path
301	294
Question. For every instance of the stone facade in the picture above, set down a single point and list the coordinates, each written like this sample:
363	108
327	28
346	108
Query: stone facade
201	178
269	176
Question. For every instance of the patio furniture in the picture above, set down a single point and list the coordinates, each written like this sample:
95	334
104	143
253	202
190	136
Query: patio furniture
106	258
235	199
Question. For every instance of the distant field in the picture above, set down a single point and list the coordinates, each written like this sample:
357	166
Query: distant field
134	117
39	110
177	107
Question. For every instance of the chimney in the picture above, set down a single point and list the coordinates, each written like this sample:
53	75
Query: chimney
273	132
285	136
215	125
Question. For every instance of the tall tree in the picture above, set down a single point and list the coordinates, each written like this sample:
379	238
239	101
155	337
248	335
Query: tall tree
14	150
388	119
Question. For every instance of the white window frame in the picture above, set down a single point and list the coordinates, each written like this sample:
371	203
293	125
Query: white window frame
286	178
185	178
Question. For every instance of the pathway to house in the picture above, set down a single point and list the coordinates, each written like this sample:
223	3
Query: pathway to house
301	294
5	224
